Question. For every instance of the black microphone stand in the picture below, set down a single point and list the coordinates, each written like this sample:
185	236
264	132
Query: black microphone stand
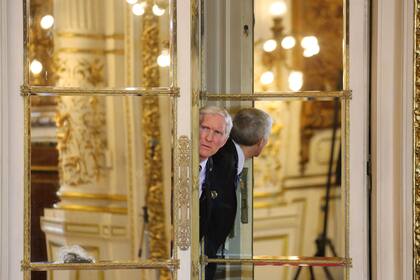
323	241
144	230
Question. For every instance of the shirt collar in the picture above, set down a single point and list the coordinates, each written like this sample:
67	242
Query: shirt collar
241	157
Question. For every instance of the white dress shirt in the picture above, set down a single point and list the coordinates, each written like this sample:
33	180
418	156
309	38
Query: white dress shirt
202	174
241	157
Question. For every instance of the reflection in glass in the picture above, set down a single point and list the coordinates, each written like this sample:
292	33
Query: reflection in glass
282	196
108	44
293	37
101	176
298	172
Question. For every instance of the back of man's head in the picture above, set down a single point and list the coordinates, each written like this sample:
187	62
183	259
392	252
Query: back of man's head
250	125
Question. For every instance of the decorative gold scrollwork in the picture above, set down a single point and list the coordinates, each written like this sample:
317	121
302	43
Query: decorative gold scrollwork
183	200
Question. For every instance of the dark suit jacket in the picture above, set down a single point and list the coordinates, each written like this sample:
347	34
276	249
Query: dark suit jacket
218	200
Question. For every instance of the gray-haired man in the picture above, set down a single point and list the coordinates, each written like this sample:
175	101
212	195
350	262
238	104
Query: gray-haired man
249	135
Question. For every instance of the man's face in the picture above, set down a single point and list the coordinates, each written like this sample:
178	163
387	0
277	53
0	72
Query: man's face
212	134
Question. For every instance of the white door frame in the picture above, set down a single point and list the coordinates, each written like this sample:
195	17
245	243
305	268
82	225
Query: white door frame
392	146
11	139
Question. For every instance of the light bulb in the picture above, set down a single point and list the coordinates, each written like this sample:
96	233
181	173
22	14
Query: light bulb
295	80
267	78
164	59
131	2
278	8
157	11
47	22
138	9
270	45
309	42
288	42
313	50
36	67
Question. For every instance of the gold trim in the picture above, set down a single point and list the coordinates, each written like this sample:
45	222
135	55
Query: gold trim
91	51
285	261
183	196
344	94
133	213
27	182
95	196
261	205
266	194
116	36
102	265
43	168
416	145
82	228
135	91
75	207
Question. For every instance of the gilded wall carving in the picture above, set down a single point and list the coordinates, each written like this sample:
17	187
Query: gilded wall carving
152	140
267	168
81	139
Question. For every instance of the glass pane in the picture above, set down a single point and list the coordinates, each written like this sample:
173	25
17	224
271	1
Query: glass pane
289	200
277	273
298	45
297	181
226	47
99	44
102	275
263	271
101	178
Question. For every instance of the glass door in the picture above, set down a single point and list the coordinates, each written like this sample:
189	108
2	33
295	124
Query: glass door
287	59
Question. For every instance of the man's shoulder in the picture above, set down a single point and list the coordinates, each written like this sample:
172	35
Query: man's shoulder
228	151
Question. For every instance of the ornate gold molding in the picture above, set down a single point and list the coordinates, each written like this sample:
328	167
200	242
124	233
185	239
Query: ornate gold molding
152	141
91	36
275	95
81	140
77	207
91	51
95	196
83	91
183	196
285	260
103	265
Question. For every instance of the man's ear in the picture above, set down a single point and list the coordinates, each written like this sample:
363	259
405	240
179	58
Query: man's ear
261	143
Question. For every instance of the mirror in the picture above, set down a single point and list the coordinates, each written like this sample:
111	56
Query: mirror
99	44
101	178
